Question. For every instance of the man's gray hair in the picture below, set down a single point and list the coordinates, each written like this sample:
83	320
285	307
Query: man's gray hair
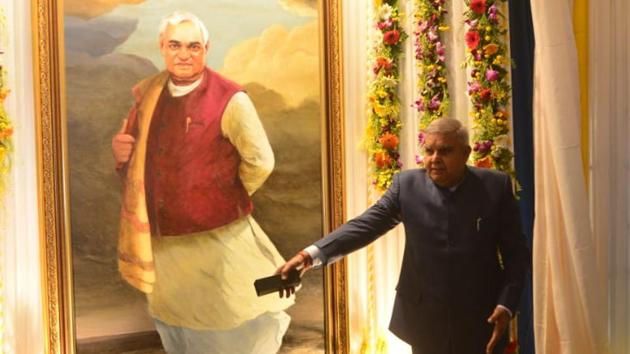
449	126
178	17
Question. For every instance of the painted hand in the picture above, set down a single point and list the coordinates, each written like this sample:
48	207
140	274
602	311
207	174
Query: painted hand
122	144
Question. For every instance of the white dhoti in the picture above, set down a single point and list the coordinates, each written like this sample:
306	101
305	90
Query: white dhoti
262	335
205	288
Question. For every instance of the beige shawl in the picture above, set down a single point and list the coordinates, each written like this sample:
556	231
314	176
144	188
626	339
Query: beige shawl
135	256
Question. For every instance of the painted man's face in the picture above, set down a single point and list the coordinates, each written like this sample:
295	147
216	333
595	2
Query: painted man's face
184	51
445	158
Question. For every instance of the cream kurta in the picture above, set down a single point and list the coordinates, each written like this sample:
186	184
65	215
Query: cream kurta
205	281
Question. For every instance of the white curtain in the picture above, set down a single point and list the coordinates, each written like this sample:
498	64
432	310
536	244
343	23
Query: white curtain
388	249
456	54
569	283
20	241
609	102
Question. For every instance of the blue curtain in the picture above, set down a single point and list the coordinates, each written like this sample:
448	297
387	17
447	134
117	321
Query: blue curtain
522	48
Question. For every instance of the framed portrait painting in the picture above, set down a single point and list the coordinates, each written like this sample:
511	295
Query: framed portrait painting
89	56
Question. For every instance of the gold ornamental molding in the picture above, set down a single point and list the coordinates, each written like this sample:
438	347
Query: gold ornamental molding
335	277
47	29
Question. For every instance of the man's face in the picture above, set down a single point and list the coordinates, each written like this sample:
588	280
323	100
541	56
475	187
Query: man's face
445	158
184	51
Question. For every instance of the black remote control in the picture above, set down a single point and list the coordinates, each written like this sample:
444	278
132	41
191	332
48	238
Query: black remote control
275	283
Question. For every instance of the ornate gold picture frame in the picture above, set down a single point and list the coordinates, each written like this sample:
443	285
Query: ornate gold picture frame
53	167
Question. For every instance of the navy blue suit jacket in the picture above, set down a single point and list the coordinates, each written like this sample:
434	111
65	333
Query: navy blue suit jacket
452	277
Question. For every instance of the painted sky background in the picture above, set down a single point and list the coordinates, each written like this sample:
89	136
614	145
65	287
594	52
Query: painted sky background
271	42
229	22
92	8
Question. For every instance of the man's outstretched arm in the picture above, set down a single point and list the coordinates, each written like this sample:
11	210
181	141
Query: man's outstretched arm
351	236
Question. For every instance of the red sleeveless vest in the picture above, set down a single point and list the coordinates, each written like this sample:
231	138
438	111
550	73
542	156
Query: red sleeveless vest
191	176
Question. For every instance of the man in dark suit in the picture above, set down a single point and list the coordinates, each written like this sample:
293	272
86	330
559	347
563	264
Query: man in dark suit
465	256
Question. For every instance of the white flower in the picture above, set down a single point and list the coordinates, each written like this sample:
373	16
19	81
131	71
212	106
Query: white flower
377	38
385	12
502	141
389	82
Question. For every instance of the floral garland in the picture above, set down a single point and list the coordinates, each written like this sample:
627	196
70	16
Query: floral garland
489	88
6	128
433	101
6	147
383	130
6	132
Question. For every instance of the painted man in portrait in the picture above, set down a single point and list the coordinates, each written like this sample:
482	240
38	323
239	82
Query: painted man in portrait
191	153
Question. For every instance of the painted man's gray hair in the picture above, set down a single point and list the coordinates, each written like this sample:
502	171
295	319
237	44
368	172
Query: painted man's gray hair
178	17
449	126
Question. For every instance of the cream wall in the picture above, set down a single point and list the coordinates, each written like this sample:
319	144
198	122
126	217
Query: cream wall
23	322
609	104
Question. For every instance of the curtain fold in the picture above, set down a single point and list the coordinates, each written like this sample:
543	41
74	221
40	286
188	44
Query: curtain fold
456	55
568	298
609	93
388	249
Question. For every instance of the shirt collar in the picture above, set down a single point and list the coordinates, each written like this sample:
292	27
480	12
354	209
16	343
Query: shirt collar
456	186
179	91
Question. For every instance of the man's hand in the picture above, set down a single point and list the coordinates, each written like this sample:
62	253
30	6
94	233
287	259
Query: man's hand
302	262
501	318
122	144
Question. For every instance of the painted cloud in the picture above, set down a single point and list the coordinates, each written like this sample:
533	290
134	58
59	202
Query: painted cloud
93	8
300	7
284	61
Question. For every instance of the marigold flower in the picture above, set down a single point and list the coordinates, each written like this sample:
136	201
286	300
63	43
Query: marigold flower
486	162
6	133
382	159
502	114
491	48
383	63
388	140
